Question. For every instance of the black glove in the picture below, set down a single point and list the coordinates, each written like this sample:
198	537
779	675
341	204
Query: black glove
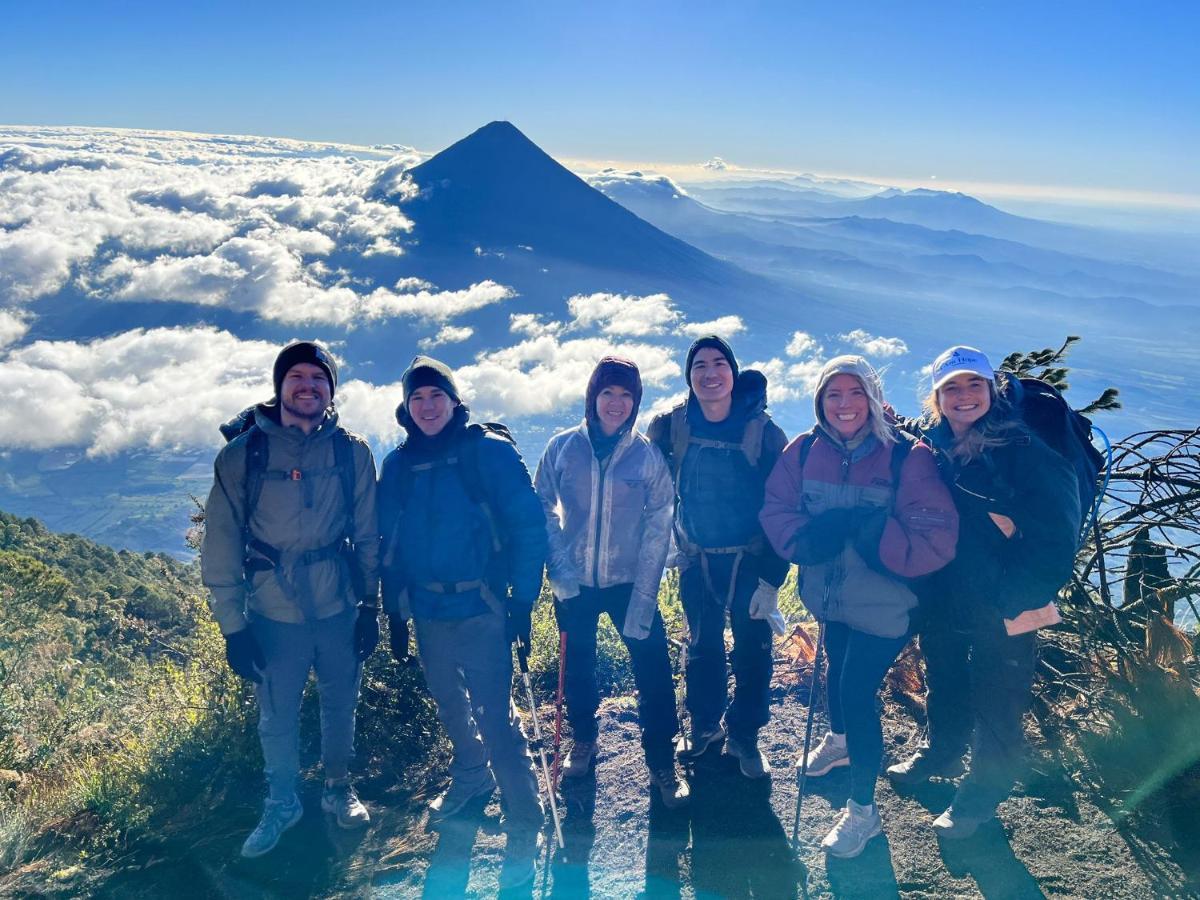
867	527
519	624
398	634
244	655
823	538
366	631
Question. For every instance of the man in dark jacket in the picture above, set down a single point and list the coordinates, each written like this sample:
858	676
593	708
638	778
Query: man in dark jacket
464	545
285	570
721	445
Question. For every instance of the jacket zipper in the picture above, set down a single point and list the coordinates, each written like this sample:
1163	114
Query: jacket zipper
603	467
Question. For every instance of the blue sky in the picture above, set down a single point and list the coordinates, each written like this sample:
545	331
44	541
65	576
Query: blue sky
1091	96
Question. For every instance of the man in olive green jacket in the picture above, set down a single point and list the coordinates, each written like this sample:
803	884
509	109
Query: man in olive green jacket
290	558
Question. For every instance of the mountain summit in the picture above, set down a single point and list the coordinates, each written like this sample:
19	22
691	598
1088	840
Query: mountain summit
497	191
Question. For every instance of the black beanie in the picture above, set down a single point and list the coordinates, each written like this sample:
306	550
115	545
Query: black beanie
424	371
709	340
304	352
609	371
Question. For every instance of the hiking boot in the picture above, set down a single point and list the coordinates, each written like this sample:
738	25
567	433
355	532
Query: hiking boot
696	744
854	829
581	759
278	816
454	799
923	765
956	826
826	756
673	790
340	799
751	760
520	857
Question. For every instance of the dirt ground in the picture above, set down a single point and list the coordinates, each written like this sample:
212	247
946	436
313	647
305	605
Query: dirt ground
732	842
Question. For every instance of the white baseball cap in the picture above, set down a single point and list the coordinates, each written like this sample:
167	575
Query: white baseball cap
959	360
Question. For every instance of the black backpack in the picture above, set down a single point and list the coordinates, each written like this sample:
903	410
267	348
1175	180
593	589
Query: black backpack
1066	431
257	473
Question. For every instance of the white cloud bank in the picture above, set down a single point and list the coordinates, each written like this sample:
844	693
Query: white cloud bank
242	223
872	345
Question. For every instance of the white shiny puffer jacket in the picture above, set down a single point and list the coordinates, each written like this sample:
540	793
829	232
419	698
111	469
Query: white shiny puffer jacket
607	524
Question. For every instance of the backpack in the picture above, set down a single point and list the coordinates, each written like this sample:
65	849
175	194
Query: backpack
257	474
680	437
906	440
1067	432
466	463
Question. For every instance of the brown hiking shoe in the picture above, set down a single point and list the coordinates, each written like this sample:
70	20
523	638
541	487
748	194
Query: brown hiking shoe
581	759
673	790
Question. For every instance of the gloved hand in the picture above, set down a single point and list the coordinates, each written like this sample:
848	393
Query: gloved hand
823	538
244	655
764	604
519	624
366	631
639	617
398	638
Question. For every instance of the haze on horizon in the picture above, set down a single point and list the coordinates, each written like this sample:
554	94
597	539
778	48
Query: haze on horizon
1091	104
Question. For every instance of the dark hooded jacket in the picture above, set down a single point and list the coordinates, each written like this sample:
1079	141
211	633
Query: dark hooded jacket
435	534
718	492
992	576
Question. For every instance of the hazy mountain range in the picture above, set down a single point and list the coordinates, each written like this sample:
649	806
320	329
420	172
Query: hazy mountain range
147	279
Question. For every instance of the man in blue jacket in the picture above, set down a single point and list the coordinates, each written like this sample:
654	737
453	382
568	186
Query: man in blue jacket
464	543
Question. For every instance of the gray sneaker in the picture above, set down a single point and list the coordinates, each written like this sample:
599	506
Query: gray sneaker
520	857
581	759
751	760
854	829
923	765
673	790
340	799
455	798
696	744
278	816
956	826
826	756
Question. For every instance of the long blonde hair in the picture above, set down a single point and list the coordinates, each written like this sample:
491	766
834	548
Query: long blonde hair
999	426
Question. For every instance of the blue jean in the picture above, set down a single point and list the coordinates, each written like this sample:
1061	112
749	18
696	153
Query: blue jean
291	651
857	663
468	669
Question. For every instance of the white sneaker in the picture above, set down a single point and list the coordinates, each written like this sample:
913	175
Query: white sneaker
340	799
854	829
826	756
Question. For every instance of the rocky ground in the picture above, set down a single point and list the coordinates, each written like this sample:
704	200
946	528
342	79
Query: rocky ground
1051	839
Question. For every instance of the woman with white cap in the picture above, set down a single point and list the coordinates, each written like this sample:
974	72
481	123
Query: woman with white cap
1018	506
861	508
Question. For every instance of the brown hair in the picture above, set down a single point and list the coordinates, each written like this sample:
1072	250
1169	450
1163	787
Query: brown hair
996	428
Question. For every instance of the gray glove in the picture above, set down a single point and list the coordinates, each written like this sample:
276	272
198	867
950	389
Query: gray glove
764	604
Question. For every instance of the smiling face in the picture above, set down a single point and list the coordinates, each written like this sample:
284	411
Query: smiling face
613	406
711	376
431	408
845	406
305	392
964	400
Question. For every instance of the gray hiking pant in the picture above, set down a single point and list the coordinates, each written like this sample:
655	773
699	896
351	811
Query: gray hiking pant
468	668
291	651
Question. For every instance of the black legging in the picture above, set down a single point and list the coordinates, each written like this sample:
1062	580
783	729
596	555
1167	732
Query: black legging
857	663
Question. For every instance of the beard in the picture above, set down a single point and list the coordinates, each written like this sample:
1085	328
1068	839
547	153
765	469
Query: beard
300	414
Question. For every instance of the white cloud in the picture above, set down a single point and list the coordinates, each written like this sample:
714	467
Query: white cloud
663	404
875	346
449	334
801	343
725	326
623	314
532	325
543	374
13	326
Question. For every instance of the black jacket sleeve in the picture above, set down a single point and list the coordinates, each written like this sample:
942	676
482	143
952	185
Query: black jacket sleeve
772	567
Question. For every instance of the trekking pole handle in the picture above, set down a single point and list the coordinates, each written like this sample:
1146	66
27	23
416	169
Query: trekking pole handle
523	656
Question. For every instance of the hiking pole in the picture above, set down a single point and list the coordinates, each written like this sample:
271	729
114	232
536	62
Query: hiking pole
523	661
818	658
558	706
681	692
